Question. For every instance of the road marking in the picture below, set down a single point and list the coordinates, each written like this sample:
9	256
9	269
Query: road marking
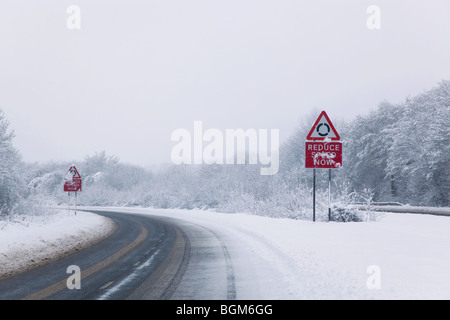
129	278
51	290
106	285
161	284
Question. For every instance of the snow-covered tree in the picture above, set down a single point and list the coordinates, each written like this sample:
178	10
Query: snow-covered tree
402	151
419	154
99	162
366	145
10	184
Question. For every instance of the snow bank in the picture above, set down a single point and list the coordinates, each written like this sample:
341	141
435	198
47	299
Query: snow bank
35	240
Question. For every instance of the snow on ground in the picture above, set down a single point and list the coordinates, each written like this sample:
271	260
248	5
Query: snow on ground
402	256
33	240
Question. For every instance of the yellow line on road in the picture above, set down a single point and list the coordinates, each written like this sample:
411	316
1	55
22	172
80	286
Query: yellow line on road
51	290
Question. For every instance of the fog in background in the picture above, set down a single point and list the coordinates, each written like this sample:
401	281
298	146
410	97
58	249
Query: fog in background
138	70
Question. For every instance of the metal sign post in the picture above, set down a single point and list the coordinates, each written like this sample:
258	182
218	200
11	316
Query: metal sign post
76	200
329	194
70	200
68	203
314	194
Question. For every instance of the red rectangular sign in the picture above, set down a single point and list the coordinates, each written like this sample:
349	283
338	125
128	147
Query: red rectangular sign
72	185
323	155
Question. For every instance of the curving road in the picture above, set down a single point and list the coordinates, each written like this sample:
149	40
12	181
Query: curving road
147	257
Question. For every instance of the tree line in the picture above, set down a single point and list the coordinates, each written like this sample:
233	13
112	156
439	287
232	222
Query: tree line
397	152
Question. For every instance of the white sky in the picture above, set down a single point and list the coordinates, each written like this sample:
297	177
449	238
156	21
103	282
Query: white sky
138	70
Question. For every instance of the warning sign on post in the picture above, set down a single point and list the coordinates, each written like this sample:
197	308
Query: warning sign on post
324	152
73	180
323	155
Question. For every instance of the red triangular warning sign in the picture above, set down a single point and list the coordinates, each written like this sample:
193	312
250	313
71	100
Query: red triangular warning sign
322	129
74	173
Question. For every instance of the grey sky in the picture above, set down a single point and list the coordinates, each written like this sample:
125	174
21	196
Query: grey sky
137	70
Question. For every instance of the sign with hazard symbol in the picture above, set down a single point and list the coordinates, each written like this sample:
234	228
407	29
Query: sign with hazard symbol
323	129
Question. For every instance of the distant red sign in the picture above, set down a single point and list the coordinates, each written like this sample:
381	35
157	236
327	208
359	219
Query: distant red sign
73	180
72	185
323	155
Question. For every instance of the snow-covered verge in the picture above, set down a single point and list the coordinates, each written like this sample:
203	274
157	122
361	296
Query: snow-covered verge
401	256
34	240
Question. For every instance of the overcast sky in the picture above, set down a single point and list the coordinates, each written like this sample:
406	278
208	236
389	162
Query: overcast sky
138	70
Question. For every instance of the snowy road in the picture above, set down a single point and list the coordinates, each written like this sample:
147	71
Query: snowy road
240	256
147	257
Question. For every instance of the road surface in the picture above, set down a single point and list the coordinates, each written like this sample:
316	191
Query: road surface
147	257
